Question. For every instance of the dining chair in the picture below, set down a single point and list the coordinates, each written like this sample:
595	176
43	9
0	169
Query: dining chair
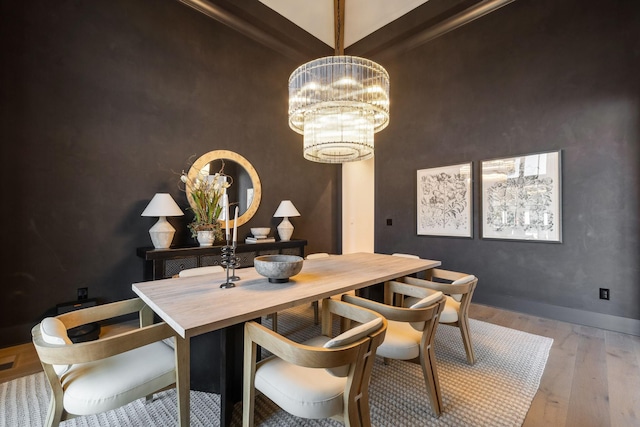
110	372
323	377
458	288
198	271
411	331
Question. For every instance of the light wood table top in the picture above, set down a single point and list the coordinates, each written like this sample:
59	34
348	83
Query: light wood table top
196	305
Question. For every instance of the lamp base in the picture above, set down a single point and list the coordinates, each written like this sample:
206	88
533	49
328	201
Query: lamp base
285	230
162	233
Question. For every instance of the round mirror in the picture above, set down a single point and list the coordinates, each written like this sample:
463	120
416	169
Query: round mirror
245	191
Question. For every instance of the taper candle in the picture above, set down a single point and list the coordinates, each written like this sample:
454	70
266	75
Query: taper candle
225	206
235	226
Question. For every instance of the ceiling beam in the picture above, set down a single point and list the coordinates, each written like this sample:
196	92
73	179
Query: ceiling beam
233	20
338	26
405	43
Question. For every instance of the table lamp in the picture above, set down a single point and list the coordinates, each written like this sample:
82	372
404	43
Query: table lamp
162	205
286	209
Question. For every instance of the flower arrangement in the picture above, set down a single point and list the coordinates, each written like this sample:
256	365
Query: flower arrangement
206	193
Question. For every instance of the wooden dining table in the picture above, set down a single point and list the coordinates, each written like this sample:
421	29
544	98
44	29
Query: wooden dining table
198	305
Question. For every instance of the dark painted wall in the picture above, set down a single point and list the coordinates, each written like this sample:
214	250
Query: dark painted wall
533	76
103	104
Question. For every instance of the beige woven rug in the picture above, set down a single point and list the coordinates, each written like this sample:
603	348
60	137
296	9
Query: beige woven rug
496	391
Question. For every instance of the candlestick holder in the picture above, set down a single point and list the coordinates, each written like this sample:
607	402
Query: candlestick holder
235	265
229	261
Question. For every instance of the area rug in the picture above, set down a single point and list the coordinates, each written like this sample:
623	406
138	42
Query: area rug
496	391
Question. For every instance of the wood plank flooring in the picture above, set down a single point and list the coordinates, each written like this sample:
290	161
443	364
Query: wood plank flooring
592	377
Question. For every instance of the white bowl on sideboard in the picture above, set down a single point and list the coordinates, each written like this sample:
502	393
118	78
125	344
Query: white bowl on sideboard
260	231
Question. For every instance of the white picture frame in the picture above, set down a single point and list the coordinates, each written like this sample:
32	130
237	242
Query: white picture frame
522	198
444	201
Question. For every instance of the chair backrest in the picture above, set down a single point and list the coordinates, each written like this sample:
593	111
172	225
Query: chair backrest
423	315
406	255
199	271
460	286
318	255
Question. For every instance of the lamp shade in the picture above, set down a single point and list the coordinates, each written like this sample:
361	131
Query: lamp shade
286	209
162	204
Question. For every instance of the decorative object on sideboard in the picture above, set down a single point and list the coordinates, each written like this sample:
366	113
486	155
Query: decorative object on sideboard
338	103
260	235
162	205
260	232
278	268
206	194
285	210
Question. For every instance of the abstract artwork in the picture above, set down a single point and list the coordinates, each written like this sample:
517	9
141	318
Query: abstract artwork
444	201
521	198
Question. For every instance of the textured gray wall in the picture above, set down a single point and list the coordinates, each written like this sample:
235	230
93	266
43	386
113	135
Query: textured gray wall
533	76
103	103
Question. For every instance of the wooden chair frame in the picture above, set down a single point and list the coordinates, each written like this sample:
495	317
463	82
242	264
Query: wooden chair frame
359	356
429	315
51	354
466	290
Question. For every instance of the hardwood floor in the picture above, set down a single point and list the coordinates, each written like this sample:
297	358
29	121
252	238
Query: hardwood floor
592	376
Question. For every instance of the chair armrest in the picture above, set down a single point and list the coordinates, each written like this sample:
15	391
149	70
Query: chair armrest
300	354
446	288
101	312
349	311
390	312
101	348
447	274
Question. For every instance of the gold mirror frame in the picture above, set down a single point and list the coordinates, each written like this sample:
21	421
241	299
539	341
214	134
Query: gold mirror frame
255	180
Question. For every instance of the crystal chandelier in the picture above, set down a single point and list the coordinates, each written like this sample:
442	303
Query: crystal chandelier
338	102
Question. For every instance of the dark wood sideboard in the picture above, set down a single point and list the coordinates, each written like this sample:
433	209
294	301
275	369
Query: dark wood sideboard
165	263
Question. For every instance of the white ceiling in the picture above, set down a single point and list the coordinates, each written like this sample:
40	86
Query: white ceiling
362	17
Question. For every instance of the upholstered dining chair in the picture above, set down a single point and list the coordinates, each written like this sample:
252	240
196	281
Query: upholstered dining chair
411	331
291	377
458	288
199	271
96	376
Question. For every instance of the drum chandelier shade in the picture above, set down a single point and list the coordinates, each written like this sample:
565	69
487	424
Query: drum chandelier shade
337	103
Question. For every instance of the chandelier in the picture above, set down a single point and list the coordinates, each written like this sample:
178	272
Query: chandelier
337	103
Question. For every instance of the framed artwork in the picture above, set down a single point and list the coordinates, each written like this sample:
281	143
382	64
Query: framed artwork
444	201
521	198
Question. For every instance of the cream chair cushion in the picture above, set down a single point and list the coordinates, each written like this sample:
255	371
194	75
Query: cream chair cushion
449	313
109	383
54	332
402	341
310	392
303	392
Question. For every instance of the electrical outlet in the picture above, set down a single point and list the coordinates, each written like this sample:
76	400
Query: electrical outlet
83	293
604	293
389	221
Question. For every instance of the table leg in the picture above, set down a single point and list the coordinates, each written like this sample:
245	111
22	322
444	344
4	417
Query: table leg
231	356
182	380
